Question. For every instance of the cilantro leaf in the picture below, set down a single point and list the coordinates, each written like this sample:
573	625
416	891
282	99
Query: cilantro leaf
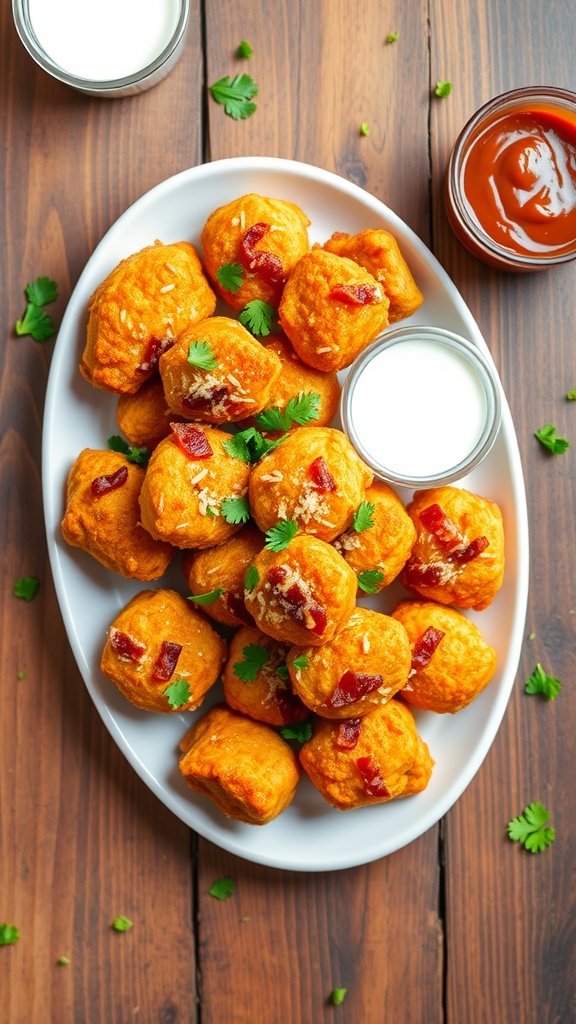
209	598
302	661
392	37
249	445
244	50
200	354
279	536
134	453
338	995
35	322
121	924
443	89
63	961
9	933
178	693
364	129
369	581
259	318
230	275
282	670
528	828
236	95
251	579
301	731
42	291
255	657
222	888
540	682
550	440
363	517
26	587
571	395
235	510
300	409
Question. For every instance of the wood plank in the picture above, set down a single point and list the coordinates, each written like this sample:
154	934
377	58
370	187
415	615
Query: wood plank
511	915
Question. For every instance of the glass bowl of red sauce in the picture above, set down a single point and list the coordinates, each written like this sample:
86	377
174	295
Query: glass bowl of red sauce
510	186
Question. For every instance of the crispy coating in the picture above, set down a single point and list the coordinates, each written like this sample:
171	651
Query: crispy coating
388	760
378	252
340	679
222	241
137	659
224	567
386	545
462	663
238	384
267	695
243	766
304	593
440	576
107	525
144	417
181	496
326	331
315	478
138	310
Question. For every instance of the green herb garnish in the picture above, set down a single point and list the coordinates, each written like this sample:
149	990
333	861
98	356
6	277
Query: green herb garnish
134	453
301	410
548	437
236	95
302	661
364	129
250	445
251	579
244	50
178	693
209	598
35	321
282	670
338	995
121	924
443	89
42	291
200	354
539	682
529	828
392	37
235	510
363	517
279	536
26	587
259	318
369	581
301	731
63	961
8	934
571	395
222	888
230	275
21	674
255	657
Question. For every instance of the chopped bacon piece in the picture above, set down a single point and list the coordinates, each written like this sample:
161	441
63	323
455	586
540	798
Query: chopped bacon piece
202	403
417	574
473	549
154	350
348	734
300	607
288	704
444	529
357	294
235	605
277	574
103	484
191	440
321	475
266	264
425	646
352	687
373	782
166	661
125	646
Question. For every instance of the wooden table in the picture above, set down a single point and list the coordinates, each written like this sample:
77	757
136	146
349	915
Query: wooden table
461	926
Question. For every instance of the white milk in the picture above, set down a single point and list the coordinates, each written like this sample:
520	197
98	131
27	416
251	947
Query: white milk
104	39
418	408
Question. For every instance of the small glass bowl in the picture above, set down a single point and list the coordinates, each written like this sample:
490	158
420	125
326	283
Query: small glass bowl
464	225
134	83
468	356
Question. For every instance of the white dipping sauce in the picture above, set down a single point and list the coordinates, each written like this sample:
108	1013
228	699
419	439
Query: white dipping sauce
418	408
102	40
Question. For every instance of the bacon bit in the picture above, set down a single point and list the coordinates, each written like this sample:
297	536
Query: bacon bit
154	350
444	529
301	608
321	475
352	687
357	294
425	647
475	548
235	605
125	646
191	440
288	704
277	574
348	734
373	781
417	574
201	403
103	484
166	661
266	264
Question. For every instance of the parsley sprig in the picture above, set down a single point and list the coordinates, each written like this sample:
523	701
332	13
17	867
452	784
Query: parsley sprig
549	439
35	322
443	89
530	828
279	536
259	318
539	682
369	581
222	888
301	731
300	409
302	661
255	657
178	693
235	95
229	275
235	510
26	587
134	453
9	933
244	50
363	517
250	445
201	355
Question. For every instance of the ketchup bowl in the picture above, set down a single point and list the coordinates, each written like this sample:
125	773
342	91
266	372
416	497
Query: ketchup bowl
510	185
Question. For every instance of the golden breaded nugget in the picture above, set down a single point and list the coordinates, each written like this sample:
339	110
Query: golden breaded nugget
144	417
256	680
383	546
378	252
216	575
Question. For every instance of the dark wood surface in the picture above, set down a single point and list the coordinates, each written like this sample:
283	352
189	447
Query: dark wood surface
461	926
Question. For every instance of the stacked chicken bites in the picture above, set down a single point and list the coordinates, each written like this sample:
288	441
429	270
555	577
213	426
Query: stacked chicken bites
231	463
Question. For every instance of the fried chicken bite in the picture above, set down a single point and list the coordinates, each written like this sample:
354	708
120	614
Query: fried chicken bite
458	557
217	372
256	680
331	309
161	653
102	516
144	417
452	662
360	669
250	247
302	594
313	477
368	760
381	537
190	487
138	310
248	771
216	576
378	252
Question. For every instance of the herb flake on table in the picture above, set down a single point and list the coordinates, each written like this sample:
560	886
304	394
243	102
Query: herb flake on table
255	657
279	537
364	129
244	50
229	275
178	693
222	888
300	409
531	828
36	322
121	924
571	395
540	682
259	318
549	439
443	89
9	934
235	95
26	587
63	961
137	454
337	996
392	37
21	674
